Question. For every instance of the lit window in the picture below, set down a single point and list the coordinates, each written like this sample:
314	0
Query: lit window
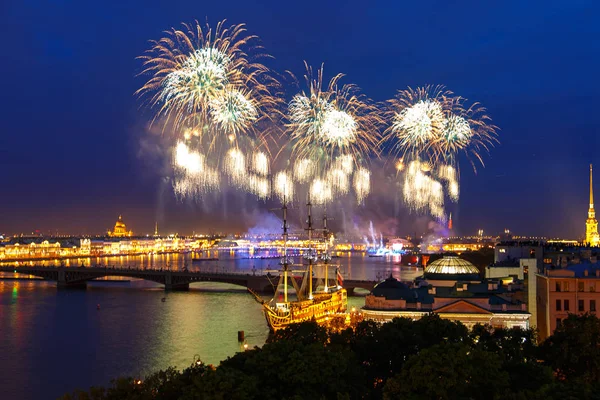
502	250
581	287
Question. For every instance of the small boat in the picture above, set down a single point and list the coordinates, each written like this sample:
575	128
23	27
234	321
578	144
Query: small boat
205	259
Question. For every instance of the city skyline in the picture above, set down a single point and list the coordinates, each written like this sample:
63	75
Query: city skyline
85	156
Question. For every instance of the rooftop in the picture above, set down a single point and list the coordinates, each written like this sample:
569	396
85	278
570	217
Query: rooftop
451	265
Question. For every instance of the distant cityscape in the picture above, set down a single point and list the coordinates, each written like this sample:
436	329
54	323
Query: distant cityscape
504	280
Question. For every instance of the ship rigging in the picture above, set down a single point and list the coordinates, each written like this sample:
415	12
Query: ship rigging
305	304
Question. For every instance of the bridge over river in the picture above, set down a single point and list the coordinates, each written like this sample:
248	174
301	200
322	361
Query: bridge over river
77	277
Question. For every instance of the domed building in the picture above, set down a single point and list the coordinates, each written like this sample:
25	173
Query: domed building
452	288
391	294
450	269
120	229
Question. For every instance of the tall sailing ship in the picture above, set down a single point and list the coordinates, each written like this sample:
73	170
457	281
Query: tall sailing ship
301	302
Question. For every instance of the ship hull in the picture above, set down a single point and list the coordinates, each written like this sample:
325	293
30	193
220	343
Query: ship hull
319	309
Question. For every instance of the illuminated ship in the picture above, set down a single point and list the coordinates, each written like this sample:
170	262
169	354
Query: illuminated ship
290	306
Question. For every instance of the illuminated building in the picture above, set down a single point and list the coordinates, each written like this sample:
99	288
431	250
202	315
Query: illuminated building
591	224
459	244
120	230
451	288
508	268
45	250
515	250
566	289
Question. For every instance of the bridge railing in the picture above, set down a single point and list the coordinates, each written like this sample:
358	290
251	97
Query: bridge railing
215	271
101	268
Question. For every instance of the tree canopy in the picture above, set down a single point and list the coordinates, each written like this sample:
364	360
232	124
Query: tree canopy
430	358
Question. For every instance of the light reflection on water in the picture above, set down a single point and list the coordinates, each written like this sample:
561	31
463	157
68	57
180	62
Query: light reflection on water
53	341
352	266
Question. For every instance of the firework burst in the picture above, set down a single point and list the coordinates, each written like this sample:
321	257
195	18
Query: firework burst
320	192
235	168
260	163
430	127
338	180
284	186
331	121
362	184
468	131
260	186
203	78
422	192
192	175
417	120
304	170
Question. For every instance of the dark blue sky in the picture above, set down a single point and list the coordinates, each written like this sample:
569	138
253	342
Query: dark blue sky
71	126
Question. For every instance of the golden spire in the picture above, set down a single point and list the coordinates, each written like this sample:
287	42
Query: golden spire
591	225
591	189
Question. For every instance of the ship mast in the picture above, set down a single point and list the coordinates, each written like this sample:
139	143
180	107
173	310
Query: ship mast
310	250
285	259
326	255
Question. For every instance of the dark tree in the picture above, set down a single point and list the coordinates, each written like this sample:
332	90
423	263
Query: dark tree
449	371
573	351
517	350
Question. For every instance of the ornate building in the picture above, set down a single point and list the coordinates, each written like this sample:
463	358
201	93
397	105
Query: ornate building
451	288
120	229
591	224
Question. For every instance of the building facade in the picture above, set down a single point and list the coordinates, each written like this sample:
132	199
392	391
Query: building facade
559	291
451	288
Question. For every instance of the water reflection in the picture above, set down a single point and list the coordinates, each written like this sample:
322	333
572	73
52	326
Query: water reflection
352	265
53	340
63	337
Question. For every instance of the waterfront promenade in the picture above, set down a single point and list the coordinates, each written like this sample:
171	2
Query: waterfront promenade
77	277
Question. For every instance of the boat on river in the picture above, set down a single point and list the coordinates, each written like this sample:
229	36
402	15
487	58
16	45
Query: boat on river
300	302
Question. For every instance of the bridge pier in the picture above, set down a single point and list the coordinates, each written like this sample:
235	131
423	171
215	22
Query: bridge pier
350	291
173	283
63	283
259	284
177	287
68	285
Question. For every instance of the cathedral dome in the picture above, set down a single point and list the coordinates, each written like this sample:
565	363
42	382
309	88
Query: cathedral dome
120	223
451	265
120	229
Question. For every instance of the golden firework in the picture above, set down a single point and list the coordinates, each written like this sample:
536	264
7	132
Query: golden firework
202	79
327	122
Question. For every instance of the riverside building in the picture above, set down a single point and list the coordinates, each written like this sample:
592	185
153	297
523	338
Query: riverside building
452	288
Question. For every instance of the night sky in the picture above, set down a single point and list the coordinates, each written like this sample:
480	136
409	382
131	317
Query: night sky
74	137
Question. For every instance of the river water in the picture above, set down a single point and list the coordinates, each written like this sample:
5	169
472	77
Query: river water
54	341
